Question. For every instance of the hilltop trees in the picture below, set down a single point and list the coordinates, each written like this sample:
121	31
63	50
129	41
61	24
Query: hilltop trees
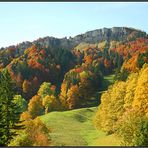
137	50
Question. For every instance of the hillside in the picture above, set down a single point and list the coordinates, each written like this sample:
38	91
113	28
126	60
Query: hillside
98	35
120	34
49	59
51	86
75	128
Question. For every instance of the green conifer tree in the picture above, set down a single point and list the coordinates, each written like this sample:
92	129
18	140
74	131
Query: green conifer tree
9	117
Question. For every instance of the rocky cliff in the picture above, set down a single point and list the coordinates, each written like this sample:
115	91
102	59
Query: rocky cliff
95	36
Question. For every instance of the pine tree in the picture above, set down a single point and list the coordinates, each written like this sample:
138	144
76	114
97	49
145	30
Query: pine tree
8	109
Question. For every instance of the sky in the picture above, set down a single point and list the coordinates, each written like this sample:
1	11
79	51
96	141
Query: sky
28	21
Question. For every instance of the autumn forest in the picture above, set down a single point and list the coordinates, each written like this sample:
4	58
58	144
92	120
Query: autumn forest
104	68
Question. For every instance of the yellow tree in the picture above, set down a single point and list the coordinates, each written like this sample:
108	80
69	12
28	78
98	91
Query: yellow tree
45	89
50	103
141	92
63	95
130	90
35	107
25	116
111	107
132	128
73	97
37	132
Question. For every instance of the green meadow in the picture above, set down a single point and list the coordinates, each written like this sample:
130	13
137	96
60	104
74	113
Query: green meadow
75	128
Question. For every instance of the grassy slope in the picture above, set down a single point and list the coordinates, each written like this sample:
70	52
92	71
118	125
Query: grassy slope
75	128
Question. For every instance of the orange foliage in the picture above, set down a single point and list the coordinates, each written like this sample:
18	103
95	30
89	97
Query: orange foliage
37	132
35	107
34	64
131	64
88	59
34	54
140	45
134	48
25	116
73	97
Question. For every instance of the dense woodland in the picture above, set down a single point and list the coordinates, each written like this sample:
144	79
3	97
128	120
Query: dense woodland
41	79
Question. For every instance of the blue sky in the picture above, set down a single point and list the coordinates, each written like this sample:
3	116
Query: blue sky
22	21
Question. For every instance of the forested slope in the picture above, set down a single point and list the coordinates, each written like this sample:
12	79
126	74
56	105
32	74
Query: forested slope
51	74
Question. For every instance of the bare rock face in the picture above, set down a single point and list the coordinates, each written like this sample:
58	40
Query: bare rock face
95	36
115	33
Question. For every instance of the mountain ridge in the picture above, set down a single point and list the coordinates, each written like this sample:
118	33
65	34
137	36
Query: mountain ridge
93	36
